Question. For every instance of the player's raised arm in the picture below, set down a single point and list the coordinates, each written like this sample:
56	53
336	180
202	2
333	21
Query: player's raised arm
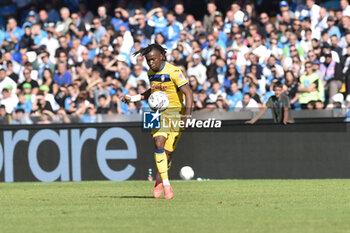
135	98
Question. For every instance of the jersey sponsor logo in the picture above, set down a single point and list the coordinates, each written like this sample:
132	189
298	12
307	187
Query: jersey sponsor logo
159	86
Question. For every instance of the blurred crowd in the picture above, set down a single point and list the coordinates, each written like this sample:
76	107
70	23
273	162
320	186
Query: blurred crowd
62	62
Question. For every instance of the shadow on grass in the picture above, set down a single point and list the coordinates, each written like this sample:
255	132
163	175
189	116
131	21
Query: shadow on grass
125	197
136	197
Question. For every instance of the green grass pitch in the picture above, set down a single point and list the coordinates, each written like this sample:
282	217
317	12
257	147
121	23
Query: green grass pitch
208	206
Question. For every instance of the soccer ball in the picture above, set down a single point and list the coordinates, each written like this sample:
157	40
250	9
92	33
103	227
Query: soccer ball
186	173
158	101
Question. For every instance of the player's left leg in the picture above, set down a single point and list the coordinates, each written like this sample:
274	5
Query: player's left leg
170	146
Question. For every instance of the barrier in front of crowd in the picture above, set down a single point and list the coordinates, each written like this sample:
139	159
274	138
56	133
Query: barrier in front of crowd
316	148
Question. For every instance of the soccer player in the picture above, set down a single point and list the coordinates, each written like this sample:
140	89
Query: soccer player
167	78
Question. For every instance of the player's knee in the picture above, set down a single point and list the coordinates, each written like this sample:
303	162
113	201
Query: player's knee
159	144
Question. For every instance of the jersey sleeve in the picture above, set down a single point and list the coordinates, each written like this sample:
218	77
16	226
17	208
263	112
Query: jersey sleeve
179	78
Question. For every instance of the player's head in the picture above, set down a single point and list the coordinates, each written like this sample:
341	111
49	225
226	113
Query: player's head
155	56
277	88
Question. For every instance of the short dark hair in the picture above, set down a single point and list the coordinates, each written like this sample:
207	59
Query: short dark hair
171	13
102	96
19	110
252	84
308	62
248	94
277	84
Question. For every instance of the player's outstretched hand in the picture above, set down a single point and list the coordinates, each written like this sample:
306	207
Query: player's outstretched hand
125	99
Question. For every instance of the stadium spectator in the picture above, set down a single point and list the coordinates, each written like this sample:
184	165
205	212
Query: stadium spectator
137	75
156	19
28	79
247	103
177	59
98	30
3	112
77	27
180	14
121	17
310	89
62	77
89	115
85	14
332	75
40	105
344	4
291	86
26	41
332	29
43	18
103	105
280	105
62	26
208	19
8	99
10	72
6	81
17	116
13	35
104	18
139	25
234	96
197	69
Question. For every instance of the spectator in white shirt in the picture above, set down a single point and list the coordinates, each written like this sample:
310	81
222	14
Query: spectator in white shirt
248	103
198	69
314	12
258	49
8	100
6	81
344	4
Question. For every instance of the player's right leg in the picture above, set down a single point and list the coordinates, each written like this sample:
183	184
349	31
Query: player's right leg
162	165
158	187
